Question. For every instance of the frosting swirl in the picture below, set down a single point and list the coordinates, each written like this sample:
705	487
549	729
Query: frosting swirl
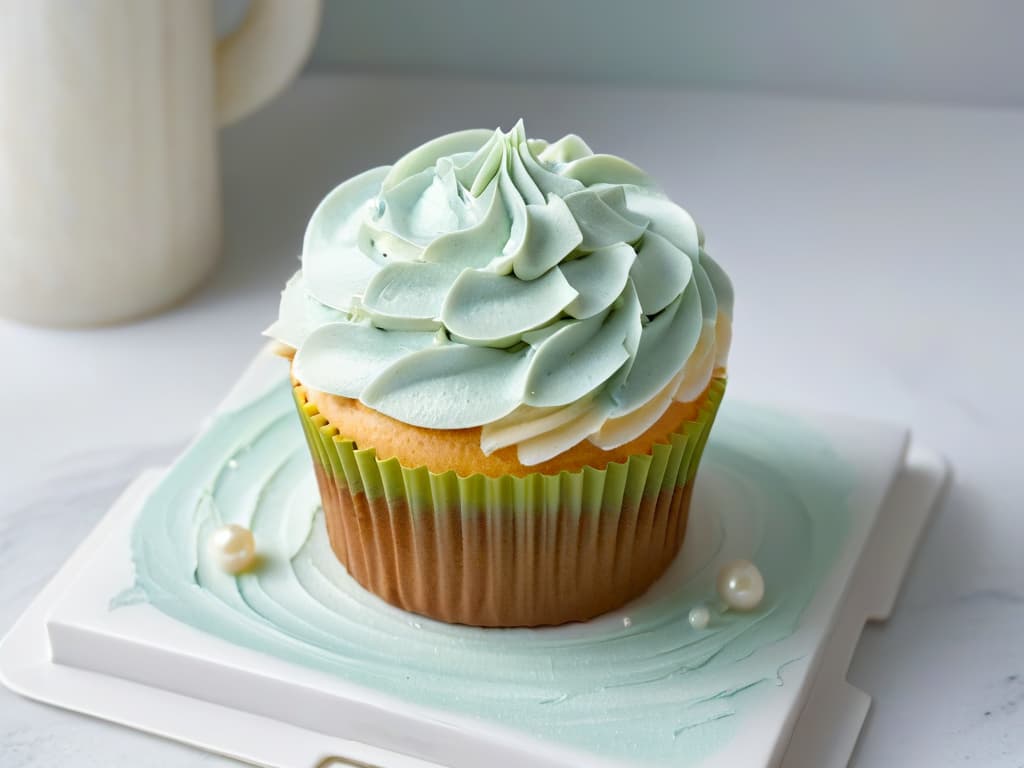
539	291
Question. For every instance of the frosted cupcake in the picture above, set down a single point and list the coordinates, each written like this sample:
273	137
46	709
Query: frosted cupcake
507	356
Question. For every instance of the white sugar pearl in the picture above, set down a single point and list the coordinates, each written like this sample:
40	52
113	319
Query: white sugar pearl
233	548
740	585
699	617
627	622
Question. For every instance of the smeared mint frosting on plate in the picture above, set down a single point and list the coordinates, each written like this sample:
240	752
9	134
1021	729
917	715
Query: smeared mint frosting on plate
540	291
773	488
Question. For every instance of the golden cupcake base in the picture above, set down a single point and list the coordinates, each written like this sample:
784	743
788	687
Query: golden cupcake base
507	551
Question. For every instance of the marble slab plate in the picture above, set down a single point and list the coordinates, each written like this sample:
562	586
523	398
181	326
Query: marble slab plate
140	667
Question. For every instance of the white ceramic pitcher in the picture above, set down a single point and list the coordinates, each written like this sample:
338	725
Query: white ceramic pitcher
109	190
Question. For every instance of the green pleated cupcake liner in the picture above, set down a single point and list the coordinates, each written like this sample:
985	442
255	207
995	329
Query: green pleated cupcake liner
506	551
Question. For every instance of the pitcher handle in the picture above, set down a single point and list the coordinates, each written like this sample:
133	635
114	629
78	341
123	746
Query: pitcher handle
263	54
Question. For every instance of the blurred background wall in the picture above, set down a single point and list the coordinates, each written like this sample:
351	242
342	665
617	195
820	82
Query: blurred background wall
959	51
969	51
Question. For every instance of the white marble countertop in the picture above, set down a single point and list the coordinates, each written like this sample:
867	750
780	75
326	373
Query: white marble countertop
878	259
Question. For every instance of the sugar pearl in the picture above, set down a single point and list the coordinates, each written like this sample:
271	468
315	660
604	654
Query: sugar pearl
699	617
740	585
233	548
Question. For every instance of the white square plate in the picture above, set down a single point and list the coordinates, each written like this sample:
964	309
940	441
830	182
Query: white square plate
140	667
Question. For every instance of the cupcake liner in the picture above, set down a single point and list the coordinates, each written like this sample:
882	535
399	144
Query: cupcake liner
506	551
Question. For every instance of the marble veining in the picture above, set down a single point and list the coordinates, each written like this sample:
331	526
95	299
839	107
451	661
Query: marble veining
759	165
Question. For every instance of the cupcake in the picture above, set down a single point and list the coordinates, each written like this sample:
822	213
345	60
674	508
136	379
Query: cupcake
507	355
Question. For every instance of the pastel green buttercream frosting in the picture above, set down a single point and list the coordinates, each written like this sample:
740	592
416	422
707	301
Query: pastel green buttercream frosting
540	291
